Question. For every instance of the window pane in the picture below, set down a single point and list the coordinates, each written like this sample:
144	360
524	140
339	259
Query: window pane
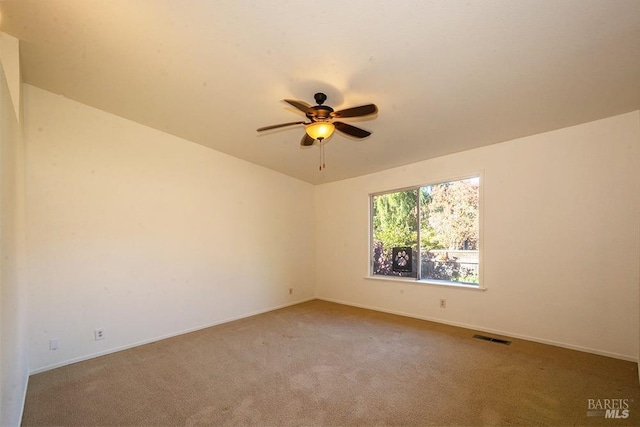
395	225
450	230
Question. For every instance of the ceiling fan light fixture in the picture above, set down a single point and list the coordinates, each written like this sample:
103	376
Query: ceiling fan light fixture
320	130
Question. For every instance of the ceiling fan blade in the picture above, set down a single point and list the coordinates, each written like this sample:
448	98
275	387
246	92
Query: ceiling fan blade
300	105
306	140
351	130
279	126
363	110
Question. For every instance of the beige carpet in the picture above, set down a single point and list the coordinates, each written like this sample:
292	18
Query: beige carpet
326	364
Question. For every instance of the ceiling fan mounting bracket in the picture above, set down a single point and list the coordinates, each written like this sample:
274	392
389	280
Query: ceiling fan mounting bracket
320	98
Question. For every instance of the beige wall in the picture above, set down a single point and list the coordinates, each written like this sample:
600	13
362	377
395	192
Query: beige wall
13	291
147	235
560	231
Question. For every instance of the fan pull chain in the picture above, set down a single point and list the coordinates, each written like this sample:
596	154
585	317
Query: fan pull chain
322	165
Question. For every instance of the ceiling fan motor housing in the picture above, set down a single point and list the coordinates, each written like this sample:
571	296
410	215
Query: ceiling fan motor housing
319	112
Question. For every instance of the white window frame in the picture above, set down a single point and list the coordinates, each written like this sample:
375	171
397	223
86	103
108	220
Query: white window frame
480	286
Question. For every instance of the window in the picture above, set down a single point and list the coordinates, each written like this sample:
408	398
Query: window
430	233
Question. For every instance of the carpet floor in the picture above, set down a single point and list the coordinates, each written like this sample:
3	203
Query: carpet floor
325	364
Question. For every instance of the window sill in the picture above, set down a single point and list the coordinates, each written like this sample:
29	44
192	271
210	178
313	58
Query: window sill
426	282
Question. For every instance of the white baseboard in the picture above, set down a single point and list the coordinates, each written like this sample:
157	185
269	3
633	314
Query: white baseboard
24	397
399	313
493	331
160	338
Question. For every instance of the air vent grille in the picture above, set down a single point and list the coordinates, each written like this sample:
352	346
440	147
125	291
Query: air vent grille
492	339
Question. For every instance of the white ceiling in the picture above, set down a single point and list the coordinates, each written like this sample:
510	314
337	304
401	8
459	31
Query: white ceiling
446	75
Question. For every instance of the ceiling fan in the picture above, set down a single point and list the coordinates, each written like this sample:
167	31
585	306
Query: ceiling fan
321	125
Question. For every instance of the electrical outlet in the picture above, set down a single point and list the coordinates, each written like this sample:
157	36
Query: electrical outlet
98	334
443	303
290	291
54	344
